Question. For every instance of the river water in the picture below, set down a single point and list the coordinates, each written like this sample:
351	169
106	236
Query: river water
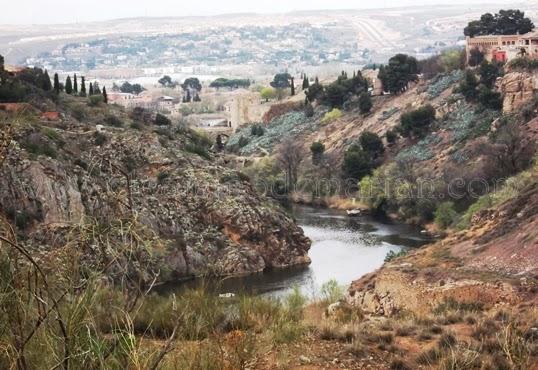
343	248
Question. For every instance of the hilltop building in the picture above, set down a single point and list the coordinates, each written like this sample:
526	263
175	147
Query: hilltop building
503	48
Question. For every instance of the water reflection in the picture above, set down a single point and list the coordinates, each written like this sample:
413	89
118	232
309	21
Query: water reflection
343	248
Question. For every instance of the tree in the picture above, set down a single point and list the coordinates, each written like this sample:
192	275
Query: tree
317	148
105	96
281	81
396	76
129	88
489	73
230	83
306	82
45	81
289	158
391	136
268	93
371	143
1	63
468	86
91	89
489	98
162	120
475	57
96	88
357	164
506	22
192	83
292	83
56	83
166	81
82	86
365	102
445	215
68	85
75	85
417	122
314	92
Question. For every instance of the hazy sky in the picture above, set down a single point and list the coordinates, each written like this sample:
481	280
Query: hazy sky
70	11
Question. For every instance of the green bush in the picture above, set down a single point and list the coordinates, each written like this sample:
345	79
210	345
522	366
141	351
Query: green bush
371	143
391	136
445	215
162	120
95	100
357	163
112	120
417	122
365	102
392	255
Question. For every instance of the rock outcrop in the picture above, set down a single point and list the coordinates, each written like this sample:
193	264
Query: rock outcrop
198	217
517	89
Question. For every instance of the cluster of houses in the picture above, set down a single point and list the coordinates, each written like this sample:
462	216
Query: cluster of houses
504	48
166	104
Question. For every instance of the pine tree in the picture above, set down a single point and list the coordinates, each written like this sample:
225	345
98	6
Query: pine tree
91	89
75	85
82	86
46	85
105	96
56	83
68	85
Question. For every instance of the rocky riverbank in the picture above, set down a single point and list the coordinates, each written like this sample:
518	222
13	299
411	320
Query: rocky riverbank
67	182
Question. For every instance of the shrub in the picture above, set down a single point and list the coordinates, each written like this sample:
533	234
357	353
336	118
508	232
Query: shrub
357	164
112	120
99	138
392	255
365	102
331	291
332	115
391	136
256	130
162	120
445	215
417	122
95	100
372	144
317	148
489	98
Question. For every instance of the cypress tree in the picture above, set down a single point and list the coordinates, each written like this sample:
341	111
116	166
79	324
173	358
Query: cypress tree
91	89
75	85
82	86
105	96
306	82
68	85
292	86
56	84
96	89
46	85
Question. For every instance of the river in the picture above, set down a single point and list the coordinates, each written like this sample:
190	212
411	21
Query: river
343	248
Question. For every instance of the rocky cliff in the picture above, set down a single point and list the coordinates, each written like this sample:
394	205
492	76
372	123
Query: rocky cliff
63	182
517	89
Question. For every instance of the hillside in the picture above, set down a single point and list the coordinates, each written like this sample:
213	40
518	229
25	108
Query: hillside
99	179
